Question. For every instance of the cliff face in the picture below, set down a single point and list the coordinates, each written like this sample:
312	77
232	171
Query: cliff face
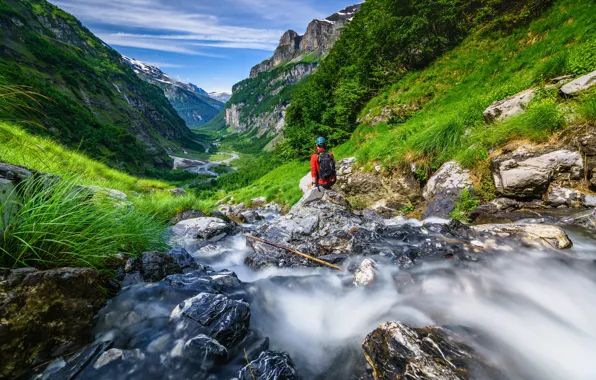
91	99
192	103
259	104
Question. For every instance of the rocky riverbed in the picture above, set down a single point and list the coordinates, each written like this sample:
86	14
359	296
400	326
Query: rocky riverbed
432	299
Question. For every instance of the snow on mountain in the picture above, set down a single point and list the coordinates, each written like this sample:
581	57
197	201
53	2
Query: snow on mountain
221	96
345	14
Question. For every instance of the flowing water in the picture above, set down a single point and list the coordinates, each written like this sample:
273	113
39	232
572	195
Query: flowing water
532	312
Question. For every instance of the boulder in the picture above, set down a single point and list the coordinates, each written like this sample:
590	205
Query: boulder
115	194
579	84
178	192
396	351
527	173
204	350
205	280
270	365
202	228
530	234
155	266
45	314
185	215
444	189
366	274
14	173
114	355
396	189
589	200
585	219
214	315
73	365
258	202
305	183
509	107
562	197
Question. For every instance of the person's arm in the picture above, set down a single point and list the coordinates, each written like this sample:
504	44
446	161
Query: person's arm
313	168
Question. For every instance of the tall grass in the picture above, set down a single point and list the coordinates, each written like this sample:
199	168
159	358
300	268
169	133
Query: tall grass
58	223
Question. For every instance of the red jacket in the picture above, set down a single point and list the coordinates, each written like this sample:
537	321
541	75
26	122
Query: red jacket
315	168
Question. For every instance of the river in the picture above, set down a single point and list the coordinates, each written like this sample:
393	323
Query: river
532	311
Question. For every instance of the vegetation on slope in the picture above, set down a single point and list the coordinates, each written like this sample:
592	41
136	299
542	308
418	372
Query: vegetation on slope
91	100
386	41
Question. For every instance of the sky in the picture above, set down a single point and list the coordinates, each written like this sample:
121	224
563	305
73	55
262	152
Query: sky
211	43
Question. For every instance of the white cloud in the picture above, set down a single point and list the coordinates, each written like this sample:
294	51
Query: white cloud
186	30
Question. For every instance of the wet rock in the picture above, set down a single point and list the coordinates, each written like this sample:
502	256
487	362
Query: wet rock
444	189
204	349
14	173
560	196
270	365
202	228
114	355
396	189
257	348
580	84
589	200
44	314
251	216
507	108
214	315
585	219
185	215
530	234
155	266
258	202
396	351
205	280
366	274
527	173
71	368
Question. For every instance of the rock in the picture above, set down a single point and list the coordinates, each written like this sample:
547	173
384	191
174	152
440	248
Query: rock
394	190
580	84
178	192
71	368
366	274
202	228
305	183
251	216
214	315
14	173
204	349
155	266
444	189
258	202
205	280
8	202
560	196
512	106
185	215
115	194
115	354
585	219
561	79
396	351
270	365
589	200
531	234
45	314
527	174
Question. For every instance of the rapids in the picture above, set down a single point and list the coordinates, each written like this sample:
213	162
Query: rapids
530	312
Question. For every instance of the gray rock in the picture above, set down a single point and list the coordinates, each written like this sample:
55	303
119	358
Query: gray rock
155	266
539	235
45	314
585	219
258	202
305	183
185	215
71	368
396	189
444	189
115	194
589	200
396	351
560	196
509	107
14	173
178	192
270	365
580	84
205	350
366	274
114	355
527	174
202	228
214	315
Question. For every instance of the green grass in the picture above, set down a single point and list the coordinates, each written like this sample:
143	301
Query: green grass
466	203
59	224
436	114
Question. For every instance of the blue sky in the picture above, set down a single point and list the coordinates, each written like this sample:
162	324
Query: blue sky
211	43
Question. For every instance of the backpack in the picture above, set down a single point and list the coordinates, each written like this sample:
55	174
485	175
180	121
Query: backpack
327	166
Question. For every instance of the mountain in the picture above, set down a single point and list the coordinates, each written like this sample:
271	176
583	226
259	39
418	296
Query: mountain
86	96
221	96
257	108
191	102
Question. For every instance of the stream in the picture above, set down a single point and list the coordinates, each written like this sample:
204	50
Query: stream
532	311
202	167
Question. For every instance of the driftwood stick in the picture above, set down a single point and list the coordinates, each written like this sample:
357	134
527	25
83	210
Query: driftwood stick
294	252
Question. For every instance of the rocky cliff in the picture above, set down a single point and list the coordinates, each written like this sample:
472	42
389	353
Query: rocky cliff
86	95
258	104
191	102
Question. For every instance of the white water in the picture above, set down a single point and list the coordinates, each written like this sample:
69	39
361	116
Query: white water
534	312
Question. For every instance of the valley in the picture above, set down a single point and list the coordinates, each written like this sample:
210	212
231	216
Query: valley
155	228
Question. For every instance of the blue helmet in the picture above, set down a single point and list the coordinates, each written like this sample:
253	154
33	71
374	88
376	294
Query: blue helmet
321	141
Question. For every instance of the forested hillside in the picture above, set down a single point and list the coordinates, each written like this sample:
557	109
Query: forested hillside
82	93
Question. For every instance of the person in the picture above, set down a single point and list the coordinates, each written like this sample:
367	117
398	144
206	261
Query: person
322	166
